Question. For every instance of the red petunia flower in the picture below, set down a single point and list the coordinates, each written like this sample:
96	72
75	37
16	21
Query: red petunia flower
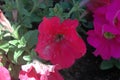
59	41
39	71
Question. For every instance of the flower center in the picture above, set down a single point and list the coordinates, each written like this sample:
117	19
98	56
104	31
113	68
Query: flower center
59	37
109	35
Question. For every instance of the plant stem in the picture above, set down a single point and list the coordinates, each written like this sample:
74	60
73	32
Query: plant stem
34	7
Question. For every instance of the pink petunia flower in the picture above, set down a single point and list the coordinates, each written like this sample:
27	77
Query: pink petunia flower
59	41
94	4
4	74
39	71
5	23
106	34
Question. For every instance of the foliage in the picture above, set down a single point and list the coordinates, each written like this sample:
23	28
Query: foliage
17	48
19	21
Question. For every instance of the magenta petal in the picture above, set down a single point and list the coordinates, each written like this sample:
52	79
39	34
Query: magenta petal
111	29
118	16
112	11
93	39
95	4
106	19
103	51
115	50
117	38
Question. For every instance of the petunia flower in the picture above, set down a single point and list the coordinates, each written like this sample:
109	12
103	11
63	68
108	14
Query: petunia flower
106	34
59	42
5	23
94	4
4	74
39	71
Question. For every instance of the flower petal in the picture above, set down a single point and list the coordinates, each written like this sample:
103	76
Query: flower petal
4	74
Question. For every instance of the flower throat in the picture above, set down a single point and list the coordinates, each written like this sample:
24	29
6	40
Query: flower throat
59	37
108	35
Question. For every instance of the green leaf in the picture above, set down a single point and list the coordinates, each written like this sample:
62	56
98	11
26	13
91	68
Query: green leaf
15	34
20	7
17	43
17	54
25	12
14	42
65	5
27	58
4	46
49	3
42	5
27	22
56	11
33	53
22	43
35	2
35	18
117	63
6	35
106	65
31	38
